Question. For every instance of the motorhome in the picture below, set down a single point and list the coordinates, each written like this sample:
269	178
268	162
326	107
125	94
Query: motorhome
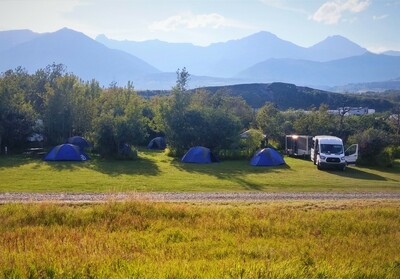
328	152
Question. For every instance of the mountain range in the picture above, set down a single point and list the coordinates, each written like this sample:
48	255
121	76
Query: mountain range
82	55
229	58
261	57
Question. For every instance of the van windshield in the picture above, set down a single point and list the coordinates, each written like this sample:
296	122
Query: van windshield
332	148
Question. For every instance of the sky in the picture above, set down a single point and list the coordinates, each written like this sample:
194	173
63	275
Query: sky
373	24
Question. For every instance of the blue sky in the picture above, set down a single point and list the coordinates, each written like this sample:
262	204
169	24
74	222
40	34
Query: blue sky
373	24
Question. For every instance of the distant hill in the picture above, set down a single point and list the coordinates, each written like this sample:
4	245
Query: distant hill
229	58
364	68
286	96
379	86
82	55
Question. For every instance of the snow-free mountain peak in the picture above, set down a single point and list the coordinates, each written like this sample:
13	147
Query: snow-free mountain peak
335	47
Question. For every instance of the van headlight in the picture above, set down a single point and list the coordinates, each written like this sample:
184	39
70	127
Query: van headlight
342	158
322	157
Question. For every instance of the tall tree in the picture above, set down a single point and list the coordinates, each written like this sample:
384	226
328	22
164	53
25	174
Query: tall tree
17	116
119	121
269	120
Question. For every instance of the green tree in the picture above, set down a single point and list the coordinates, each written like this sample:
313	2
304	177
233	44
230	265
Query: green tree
59	109
252	141
372	144
17	116
119	121
317	122
269	120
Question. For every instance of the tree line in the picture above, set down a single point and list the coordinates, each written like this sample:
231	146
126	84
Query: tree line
58	105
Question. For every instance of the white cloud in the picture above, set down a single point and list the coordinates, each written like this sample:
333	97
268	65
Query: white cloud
190	21
379	17
332	12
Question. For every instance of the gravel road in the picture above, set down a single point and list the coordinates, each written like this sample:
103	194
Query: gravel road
190	197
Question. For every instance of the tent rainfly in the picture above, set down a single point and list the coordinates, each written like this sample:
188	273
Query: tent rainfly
66	152
157	143
267	157
79	141
199	155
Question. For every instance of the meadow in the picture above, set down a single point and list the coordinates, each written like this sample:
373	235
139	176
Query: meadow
154	171
326	239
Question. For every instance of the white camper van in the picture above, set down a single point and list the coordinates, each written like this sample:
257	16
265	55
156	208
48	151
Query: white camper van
328	151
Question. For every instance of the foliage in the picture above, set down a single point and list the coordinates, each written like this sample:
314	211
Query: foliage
182	80
213	117
269	119
120	121
317	122
17	116
252	141
372	143
186	122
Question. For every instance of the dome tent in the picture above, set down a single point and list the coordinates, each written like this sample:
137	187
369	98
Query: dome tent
79	141
66	152
199	155
157	143
267	157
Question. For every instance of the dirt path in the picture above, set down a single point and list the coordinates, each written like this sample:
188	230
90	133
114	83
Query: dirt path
191	197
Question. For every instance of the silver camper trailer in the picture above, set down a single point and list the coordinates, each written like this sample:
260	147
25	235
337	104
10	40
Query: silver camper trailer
298	145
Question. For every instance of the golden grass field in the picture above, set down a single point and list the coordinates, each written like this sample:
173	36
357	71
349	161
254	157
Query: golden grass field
319	239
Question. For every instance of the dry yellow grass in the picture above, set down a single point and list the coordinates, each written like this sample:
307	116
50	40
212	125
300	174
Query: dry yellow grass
346	239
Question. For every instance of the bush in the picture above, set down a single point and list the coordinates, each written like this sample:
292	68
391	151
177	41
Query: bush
126	153
372	147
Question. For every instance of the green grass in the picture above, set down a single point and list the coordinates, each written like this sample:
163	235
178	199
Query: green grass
358	239
154	171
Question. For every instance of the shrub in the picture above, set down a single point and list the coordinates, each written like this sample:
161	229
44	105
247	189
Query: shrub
372	143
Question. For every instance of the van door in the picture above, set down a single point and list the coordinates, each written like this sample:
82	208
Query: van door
313	151
351	154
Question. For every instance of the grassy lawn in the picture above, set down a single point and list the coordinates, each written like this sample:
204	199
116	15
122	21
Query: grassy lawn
324	239
154	171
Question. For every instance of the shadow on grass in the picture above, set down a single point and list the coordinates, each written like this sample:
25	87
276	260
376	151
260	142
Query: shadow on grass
11	161
234	171
358	174
141	166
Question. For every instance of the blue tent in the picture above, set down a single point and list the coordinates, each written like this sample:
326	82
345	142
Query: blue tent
157	143
66	152
200	155
267	157
79	141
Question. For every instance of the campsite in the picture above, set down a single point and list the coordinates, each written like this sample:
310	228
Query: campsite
275	239
203	151
270	159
